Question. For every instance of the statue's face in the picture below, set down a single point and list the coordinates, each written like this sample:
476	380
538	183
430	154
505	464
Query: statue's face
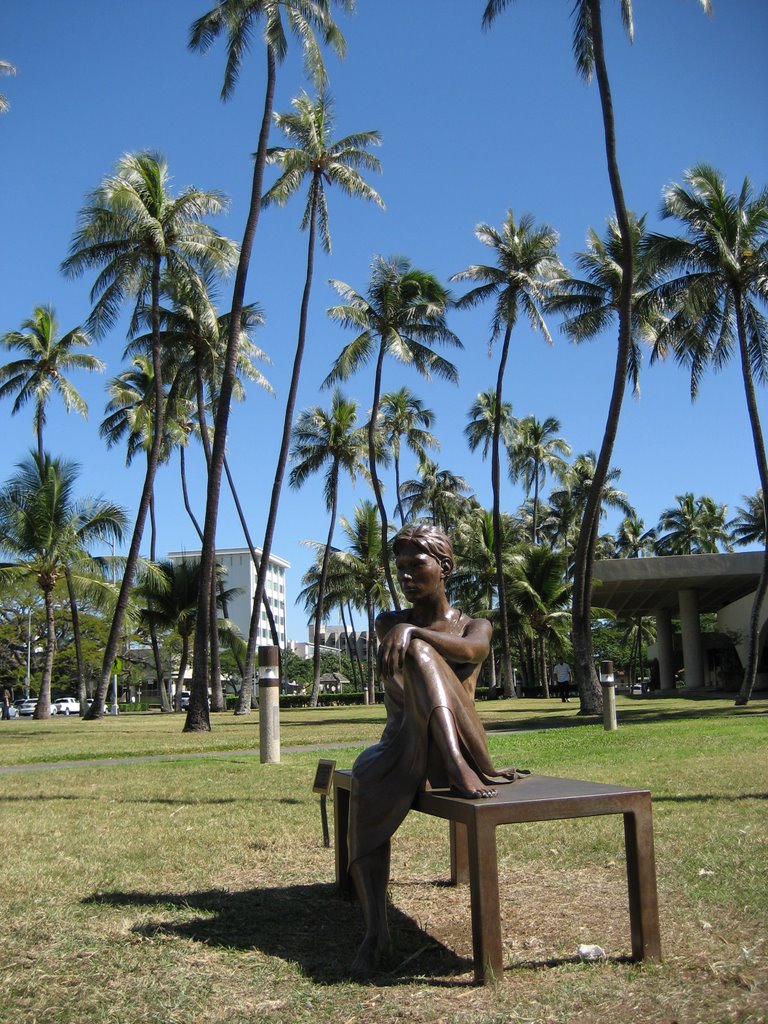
420	575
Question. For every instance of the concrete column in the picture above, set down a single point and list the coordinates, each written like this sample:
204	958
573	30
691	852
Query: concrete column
693	656
664	648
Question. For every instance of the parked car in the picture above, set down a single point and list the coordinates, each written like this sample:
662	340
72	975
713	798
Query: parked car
67	706
185	695
27	707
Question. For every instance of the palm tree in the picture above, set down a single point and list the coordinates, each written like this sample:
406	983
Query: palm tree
41	370
323	162
404	417
714	287
236	20
538	592
575	494
482	416
693	526
748	527
45	530
632	538
589	53
591	304
518	283
535	451
473	585
437	494
171	595
357	574
327	438
5	69
133	229
402	316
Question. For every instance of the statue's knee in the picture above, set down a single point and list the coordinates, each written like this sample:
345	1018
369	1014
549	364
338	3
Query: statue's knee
420	653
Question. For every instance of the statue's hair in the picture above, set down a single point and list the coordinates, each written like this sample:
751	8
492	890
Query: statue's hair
430	540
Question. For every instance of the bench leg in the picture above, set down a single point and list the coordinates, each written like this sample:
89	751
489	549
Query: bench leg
484	897
459	853
641	880
341	842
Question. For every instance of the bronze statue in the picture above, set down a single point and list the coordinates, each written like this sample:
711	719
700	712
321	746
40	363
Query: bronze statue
430	656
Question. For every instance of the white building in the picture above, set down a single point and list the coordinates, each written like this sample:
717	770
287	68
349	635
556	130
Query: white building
241	574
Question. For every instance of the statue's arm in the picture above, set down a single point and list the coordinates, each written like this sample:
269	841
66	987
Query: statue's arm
470	647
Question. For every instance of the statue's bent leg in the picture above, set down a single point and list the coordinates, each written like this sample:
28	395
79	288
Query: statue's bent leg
434	685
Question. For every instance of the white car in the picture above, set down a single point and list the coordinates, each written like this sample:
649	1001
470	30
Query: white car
67	706
27	707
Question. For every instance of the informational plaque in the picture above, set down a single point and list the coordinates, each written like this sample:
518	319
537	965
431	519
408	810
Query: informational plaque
323	777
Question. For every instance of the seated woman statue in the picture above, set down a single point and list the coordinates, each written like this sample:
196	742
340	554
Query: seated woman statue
430	656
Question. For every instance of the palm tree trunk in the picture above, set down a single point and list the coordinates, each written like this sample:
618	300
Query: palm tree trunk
348	650
591	699
82	696
372	424
321	586
196	719
43	706
126	586
282	461
265	600
354	653
165	704
183	659
397	489
370	652
753	645
506	656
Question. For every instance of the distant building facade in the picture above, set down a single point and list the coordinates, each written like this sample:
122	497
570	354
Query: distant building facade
240	573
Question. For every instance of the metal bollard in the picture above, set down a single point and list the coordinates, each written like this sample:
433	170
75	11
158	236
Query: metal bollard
609	696
269	705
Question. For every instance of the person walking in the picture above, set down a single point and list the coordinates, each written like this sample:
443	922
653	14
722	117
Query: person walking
6	706
562	674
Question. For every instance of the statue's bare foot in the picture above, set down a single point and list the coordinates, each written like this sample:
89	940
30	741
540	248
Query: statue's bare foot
468	785
368	955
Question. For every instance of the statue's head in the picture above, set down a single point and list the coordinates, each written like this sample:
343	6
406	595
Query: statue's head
430	540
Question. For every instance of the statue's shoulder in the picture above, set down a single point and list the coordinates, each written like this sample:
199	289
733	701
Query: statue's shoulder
386	620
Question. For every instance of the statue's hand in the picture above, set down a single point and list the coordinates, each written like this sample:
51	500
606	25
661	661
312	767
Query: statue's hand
393	648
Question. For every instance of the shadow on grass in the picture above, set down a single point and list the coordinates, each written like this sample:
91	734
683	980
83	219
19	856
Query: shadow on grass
635	714
309	925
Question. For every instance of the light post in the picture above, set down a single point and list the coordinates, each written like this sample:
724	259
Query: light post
269	705
609	696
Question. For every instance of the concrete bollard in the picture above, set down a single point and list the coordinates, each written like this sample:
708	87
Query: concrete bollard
609	696
269	705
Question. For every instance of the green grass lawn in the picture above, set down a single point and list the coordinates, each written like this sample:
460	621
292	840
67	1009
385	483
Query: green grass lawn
199	890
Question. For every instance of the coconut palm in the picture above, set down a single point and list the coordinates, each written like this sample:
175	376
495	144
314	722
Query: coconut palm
327	438
44	529
572	499
632	538
133	230
473	585
538	592
355	575
403	316
41	371
321	162
748	526
5	69
591	305
237	21
171	595
693	526
436	494
589	54
482	416
405	418
518	284
536	451
715	289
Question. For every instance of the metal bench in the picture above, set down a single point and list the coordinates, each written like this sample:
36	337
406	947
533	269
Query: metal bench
473	825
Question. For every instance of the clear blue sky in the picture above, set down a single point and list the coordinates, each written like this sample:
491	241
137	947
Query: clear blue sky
473	123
